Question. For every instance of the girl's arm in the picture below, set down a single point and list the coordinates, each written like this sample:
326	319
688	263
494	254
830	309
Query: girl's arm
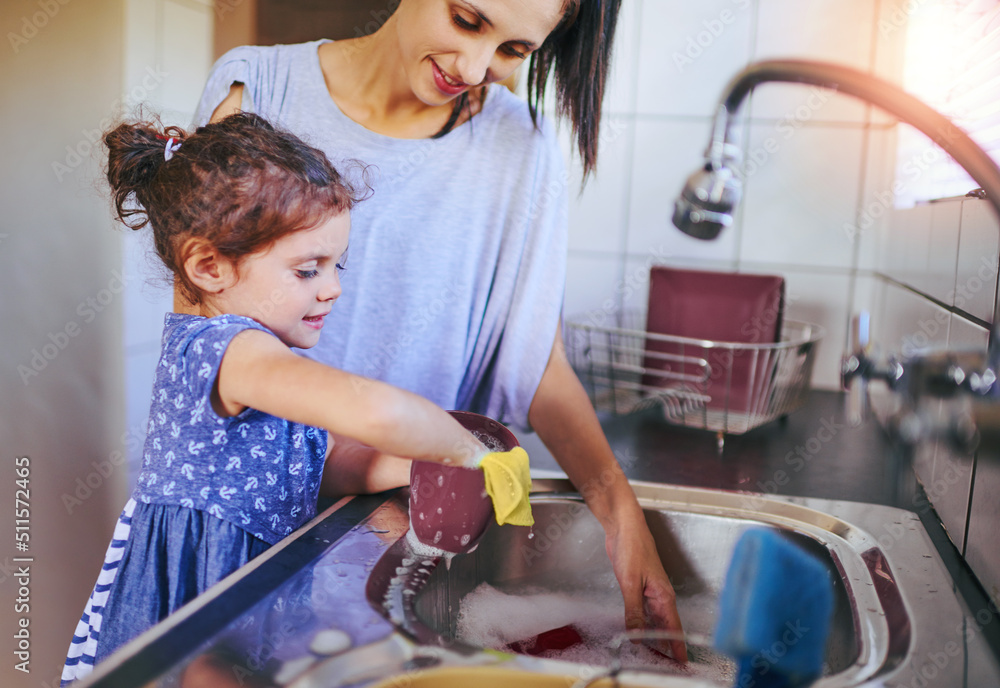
259	371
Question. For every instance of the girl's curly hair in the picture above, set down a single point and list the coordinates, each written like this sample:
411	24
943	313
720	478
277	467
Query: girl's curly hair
239	183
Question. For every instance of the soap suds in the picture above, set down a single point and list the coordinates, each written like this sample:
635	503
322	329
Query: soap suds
495	619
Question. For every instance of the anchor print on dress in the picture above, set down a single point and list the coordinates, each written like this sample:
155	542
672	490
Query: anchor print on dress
198	412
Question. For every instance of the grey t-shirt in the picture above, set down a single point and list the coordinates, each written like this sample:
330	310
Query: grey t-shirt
457	262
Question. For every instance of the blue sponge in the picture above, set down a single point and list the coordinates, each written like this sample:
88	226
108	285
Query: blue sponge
774	612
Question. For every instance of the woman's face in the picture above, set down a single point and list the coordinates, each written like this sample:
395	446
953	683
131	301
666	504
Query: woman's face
450	46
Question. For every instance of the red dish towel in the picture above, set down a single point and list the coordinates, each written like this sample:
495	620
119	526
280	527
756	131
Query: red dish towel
556	639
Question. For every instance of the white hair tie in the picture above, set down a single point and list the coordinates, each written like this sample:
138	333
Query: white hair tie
172	147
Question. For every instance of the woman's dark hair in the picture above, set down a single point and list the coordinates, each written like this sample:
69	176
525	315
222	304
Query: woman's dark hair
578	52
238	183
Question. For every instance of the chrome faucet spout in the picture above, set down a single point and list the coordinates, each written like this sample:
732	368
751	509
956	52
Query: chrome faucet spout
707	202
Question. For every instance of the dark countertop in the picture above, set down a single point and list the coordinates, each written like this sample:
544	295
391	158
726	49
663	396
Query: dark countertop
811	453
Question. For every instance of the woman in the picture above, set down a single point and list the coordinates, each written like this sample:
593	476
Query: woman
454	285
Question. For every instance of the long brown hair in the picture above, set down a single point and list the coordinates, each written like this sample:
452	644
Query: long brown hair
578	53
239	183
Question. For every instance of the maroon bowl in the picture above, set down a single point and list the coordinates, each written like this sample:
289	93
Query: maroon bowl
449	507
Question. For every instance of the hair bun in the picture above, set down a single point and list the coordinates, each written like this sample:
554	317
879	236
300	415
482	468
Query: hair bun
136	153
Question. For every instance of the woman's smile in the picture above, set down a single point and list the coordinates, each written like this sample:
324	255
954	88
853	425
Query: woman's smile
447	84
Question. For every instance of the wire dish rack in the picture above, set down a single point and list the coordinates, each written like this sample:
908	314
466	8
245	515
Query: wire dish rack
726	387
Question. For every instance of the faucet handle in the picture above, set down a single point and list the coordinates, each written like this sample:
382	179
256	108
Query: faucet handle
856	364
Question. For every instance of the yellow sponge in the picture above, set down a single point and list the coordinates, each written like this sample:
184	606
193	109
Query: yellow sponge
508	482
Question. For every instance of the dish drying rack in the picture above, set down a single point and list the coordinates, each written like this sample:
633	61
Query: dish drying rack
694	382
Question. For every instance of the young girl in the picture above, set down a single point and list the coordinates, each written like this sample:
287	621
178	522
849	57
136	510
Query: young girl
253	223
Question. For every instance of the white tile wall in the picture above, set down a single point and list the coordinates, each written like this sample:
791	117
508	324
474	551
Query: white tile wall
907	244
801	198
622	79
821	298
978	248
602	276
687	53
829	30
598	214
872	217
937	279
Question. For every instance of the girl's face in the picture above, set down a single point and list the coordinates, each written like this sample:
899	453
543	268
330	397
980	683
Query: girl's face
290	287
450	46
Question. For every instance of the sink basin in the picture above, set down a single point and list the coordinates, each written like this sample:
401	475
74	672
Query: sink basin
893	601
567	556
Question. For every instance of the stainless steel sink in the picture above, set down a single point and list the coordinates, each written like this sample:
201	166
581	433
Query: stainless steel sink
895	609
351	573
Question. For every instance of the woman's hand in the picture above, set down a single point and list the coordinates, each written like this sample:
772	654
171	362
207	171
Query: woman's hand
649	597
564	419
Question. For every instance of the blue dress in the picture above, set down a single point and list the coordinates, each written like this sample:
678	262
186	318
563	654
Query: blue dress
213	493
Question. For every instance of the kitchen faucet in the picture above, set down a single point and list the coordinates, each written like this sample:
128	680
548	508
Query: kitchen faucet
706	204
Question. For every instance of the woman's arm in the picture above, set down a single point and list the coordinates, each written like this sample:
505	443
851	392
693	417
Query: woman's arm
564	419
258	371
232	103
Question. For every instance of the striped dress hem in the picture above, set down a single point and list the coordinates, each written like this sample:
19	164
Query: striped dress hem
83	647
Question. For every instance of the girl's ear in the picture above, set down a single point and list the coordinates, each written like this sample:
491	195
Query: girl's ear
209	271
